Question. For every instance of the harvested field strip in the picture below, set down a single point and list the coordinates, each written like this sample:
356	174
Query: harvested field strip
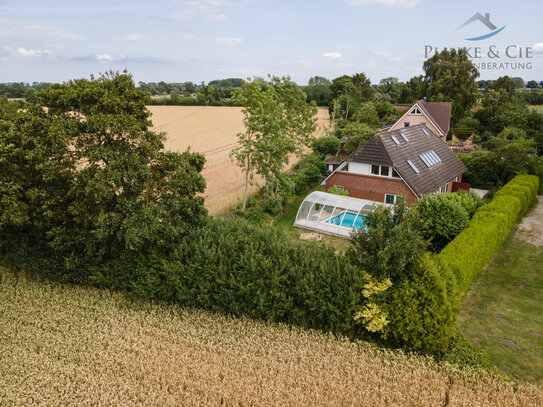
63	345
212	131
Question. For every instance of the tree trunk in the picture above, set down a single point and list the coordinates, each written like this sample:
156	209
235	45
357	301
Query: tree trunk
247	169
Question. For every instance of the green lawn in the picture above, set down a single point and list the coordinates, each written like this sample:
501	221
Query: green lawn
536	107
288	216
503	311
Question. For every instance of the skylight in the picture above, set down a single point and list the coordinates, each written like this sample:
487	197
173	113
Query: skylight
393	137
404	137
413	166
430	158
425	132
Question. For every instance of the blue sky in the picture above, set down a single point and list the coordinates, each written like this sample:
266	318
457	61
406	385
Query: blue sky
186	40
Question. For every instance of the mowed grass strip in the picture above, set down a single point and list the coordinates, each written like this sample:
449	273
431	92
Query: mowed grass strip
64	345
503	311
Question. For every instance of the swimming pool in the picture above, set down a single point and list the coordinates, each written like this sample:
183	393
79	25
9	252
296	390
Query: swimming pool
350	220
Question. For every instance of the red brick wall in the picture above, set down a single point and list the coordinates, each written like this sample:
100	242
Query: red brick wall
370	187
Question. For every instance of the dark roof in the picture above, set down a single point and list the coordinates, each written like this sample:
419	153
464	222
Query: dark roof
372	152
334	159
439	113
428	179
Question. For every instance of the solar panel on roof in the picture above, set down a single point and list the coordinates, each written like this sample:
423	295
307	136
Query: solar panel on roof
413	166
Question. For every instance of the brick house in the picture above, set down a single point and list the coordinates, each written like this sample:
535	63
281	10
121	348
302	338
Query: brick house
435	115
409	162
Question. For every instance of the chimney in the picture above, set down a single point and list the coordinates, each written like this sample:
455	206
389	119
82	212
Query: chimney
424	100
487	16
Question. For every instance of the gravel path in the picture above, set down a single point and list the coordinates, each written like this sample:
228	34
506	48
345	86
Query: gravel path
531	228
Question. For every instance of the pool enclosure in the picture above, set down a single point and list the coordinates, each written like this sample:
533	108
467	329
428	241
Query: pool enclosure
333	214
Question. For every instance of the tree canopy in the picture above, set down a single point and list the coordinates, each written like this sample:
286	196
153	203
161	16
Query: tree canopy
450	76
88	181
278	122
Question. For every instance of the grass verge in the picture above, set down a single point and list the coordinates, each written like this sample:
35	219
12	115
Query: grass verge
503	311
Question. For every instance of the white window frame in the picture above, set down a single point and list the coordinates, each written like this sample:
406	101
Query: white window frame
391	169
395	199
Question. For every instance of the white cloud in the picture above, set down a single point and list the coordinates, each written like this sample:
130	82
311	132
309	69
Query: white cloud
538	48
52	32
228	40
107	58
332	55
385	3
23	53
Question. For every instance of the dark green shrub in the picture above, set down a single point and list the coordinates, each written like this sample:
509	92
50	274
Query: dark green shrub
470	201
390	245
252	201
315	172
255	215
441	218
235	267
421	314
300	183
274	204
328	145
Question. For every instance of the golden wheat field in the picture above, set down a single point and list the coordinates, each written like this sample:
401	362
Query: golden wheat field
212	131
73	346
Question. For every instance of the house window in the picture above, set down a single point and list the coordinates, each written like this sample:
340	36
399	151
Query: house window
395	174
375	169
384	170
340	188
390	199
405	124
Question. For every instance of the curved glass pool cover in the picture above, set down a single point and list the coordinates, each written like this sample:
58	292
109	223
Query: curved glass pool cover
334	214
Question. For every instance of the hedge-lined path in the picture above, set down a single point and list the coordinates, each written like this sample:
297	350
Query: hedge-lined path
502	312
531	228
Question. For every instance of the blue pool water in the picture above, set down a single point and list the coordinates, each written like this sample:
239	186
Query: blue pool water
348	220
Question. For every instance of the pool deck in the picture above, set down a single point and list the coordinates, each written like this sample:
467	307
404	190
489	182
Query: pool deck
324	227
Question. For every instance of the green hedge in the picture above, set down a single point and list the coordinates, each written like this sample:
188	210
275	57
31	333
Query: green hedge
421	314
424	306
469	252
530	181
242	269
508	205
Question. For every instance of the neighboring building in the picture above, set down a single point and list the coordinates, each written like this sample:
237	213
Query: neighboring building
409	162
435	115
334	161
